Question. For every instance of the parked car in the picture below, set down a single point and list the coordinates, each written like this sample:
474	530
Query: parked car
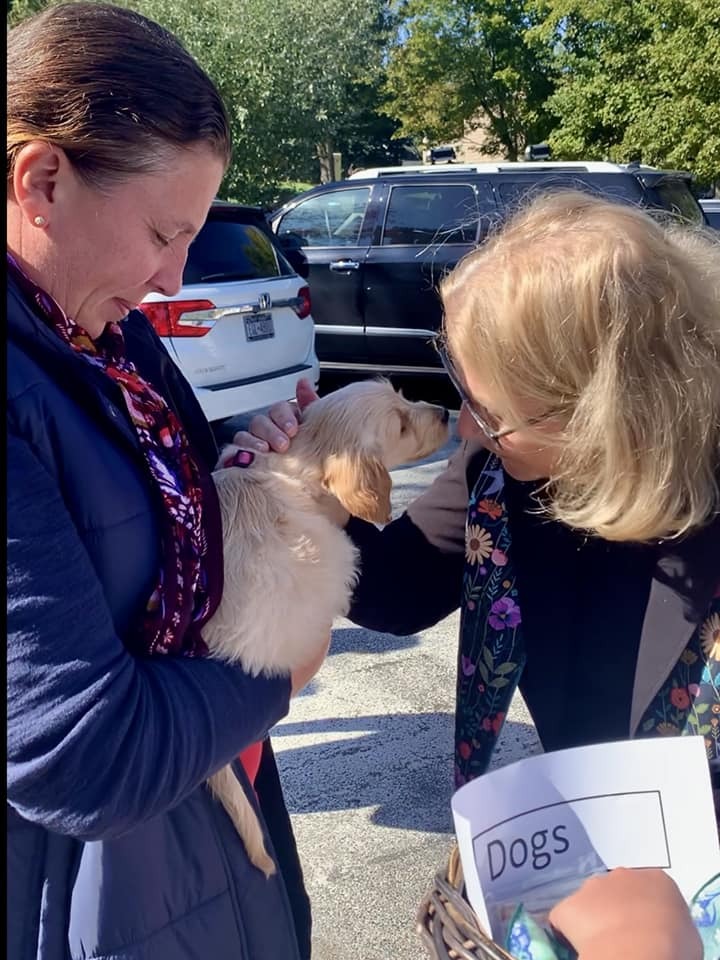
241	327
378	242
711	209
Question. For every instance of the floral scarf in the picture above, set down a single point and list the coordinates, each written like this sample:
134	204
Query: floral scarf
492	651
189	583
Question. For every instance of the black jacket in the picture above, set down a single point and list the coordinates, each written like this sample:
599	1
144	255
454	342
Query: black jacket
604	623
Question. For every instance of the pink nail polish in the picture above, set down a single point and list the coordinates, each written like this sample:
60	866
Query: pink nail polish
243	458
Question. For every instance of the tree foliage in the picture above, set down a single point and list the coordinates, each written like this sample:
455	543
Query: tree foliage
638	80
598	78
289	74
461	65
17	10
287	77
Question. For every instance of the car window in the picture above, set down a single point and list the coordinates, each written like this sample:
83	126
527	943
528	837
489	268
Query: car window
432	213
676	196
332	219
225	251
517	192
671	194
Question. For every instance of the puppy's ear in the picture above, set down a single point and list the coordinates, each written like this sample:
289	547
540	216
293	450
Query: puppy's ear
361	484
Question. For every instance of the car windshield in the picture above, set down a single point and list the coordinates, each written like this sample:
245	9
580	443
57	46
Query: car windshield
676	196
225	251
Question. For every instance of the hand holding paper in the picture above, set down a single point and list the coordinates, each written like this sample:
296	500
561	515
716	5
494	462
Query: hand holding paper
628	913
532	832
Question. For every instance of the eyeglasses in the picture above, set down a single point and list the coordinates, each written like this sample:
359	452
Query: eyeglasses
481	416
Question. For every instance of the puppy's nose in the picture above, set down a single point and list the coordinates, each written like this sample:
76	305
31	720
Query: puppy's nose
444	415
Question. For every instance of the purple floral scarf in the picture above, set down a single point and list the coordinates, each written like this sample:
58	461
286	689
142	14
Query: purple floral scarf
492	653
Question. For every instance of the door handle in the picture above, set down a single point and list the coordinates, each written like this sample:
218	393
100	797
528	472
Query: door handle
344	266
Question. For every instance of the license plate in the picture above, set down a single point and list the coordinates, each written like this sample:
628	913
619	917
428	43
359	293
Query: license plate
259	327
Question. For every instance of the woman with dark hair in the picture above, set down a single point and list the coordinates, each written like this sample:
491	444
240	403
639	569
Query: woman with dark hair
117	144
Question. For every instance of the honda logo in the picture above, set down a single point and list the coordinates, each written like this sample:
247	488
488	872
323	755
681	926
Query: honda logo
264	301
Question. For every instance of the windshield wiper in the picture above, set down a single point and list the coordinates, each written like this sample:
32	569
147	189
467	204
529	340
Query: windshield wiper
206	277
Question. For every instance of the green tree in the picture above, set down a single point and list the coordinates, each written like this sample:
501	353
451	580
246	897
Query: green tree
17	10
368	137
638	81
461	65
289	75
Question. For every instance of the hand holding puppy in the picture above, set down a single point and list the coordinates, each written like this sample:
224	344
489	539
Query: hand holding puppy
274	430
301	676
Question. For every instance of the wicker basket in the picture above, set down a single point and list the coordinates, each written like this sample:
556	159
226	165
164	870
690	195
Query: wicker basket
447	924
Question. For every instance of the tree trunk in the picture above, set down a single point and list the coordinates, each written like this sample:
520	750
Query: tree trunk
325	156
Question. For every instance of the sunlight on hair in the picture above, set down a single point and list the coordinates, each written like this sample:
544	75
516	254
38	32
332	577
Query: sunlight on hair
594	308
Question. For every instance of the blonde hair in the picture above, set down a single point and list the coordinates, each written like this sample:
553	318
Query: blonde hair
593	309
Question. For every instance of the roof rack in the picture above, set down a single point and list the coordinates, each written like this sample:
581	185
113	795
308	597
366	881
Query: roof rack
520	166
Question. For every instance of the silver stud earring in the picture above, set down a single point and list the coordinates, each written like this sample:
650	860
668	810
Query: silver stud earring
39	221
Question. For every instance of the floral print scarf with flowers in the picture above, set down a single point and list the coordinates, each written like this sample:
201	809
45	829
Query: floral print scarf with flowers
190	579
688	704
492	652
492	656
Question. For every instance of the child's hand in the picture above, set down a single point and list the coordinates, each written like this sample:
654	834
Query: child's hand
638	914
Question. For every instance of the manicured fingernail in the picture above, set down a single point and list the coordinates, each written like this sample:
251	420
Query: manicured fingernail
281	442
289	425
243	458
261	446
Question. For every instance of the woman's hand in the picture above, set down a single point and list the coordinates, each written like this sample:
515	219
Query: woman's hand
638	913
275	430
302	676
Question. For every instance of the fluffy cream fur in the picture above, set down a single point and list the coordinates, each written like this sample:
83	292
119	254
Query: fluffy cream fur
289	569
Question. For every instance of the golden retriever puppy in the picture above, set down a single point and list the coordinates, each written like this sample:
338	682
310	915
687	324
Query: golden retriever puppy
289	569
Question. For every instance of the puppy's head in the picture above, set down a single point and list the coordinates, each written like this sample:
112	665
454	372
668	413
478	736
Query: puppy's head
357	434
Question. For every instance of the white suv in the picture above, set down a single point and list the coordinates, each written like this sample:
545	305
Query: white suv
240	328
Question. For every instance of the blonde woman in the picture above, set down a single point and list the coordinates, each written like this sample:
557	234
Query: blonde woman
578	524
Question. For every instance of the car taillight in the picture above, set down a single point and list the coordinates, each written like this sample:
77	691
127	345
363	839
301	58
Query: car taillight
181	318
303	306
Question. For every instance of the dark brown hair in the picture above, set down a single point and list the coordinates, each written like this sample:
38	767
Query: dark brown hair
116	91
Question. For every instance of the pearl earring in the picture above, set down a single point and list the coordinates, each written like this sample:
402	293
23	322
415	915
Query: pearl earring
39	221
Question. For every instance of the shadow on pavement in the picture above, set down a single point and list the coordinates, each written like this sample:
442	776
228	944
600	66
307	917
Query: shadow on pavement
401	764
358	640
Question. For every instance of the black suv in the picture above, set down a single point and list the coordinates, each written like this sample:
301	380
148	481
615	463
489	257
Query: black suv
711	209
378	242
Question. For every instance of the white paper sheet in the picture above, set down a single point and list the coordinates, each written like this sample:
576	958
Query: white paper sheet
558	817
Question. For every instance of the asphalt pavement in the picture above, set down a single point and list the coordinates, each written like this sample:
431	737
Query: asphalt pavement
366	761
